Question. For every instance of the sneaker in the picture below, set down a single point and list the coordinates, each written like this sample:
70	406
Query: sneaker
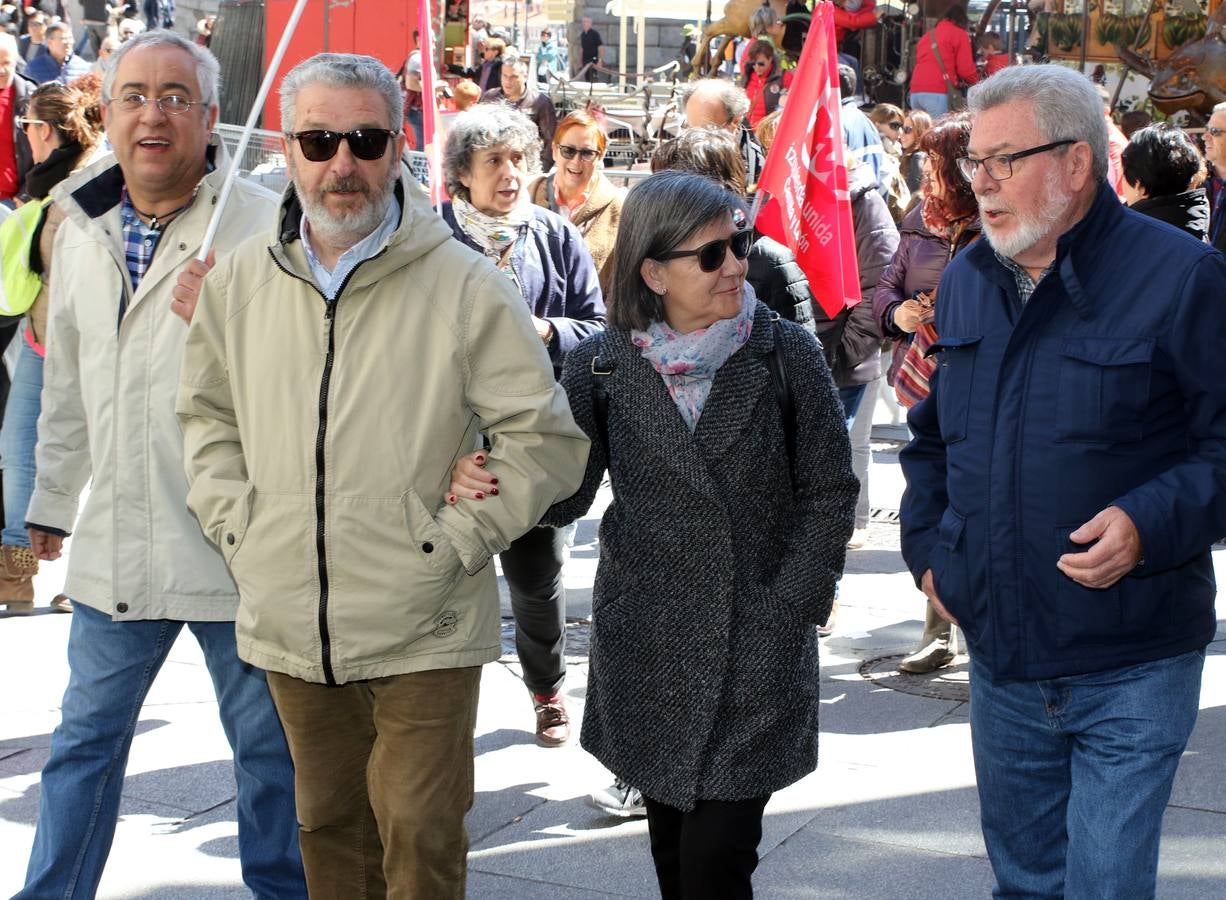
827	628
62	603
552	722
619	799
859	537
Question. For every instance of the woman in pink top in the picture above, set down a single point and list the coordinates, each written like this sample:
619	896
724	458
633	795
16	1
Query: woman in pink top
927	82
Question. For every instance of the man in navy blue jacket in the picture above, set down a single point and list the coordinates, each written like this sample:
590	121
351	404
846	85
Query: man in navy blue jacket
1066	481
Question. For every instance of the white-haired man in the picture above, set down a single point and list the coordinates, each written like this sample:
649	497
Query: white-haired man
1065	483
335	369
140	569
718	103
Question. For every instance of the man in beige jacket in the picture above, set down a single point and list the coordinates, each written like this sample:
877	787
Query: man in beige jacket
334	373
140	571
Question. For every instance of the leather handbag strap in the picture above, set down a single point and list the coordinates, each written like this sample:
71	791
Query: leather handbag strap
949	85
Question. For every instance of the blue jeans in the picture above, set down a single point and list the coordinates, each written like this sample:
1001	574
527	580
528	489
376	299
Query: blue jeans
17	439
112	665
932	103
1075	773
850	397
416	119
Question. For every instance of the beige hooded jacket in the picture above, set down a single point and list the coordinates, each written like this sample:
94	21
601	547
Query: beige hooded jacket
108	404
320	439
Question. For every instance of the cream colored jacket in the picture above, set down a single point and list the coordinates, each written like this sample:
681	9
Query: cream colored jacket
320	440
108	405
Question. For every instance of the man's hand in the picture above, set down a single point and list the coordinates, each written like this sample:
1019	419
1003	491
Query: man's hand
1115	555
187	289
46	546
544	328
929	587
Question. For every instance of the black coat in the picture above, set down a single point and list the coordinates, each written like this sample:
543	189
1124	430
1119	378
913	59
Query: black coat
780	283
703	680
1188	211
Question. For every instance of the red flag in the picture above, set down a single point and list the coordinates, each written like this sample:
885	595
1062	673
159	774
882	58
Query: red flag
809	208
431	130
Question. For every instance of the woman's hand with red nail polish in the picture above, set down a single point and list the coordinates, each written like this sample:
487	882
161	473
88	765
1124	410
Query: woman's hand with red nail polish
470	480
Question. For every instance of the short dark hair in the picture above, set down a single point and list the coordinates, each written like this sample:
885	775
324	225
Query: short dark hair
709	151
957	15
1133	121
1161	159
659	214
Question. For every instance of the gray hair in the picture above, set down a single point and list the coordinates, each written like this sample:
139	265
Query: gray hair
761	19
208	70
735	100
481	127
515	61
342	70
1066	105
659	214
1219	108
7	40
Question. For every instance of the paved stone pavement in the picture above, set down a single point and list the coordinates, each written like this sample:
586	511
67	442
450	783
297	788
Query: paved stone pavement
890	813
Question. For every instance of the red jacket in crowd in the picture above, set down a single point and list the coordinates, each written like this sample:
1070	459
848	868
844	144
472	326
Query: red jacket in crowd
955	46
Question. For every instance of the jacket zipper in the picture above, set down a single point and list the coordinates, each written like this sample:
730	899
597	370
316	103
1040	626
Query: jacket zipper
325	637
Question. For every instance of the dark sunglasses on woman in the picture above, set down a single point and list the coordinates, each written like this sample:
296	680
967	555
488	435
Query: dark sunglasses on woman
711	255
894	126
569	152
364	143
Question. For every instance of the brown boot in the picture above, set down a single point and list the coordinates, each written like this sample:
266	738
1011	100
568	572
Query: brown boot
935	650
17	579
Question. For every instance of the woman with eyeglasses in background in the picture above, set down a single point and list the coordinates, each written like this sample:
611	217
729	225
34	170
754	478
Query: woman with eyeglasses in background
492	152
577	188
889	121
721	550
764	81
64	127
915	125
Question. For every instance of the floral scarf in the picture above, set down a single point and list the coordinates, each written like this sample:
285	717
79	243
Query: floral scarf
688	362
493	234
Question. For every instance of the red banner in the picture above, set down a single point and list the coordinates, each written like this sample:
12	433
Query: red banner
809	208
431	126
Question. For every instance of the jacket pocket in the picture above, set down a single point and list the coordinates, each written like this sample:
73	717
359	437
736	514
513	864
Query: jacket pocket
956	363
1098	616
430	542
235	527
949	571
1103	389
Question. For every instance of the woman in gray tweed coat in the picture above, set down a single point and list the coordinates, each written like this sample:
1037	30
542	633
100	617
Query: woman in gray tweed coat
719	554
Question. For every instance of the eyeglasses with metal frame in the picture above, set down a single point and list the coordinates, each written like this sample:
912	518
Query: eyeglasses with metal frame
169	104
1000	167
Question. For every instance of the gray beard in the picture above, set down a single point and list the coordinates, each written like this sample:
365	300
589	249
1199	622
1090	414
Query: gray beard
1032	229
351	227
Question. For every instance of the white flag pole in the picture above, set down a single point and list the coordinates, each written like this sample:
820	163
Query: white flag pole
252	118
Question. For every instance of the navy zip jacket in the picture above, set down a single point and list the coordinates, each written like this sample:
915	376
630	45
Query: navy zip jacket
556	276
1107	388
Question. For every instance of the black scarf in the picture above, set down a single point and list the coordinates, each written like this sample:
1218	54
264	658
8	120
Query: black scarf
51	171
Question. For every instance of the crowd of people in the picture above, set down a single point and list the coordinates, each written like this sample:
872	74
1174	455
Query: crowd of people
330	547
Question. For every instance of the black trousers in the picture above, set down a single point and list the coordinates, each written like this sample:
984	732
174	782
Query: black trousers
532	566
708	853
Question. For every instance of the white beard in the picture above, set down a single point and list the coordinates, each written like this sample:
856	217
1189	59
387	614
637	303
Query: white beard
1053	206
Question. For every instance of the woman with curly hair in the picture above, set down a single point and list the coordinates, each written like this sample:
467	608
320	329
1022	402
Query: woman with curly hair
930	236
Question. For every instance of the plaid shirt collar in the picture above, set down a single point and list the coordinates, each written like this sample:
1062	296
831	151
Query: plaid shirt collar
140	241
1025	284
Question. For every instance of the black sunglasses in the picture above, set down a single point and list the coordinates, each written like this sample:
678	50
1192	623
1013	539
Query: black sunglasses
364	143
894	126
569	152
712	254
